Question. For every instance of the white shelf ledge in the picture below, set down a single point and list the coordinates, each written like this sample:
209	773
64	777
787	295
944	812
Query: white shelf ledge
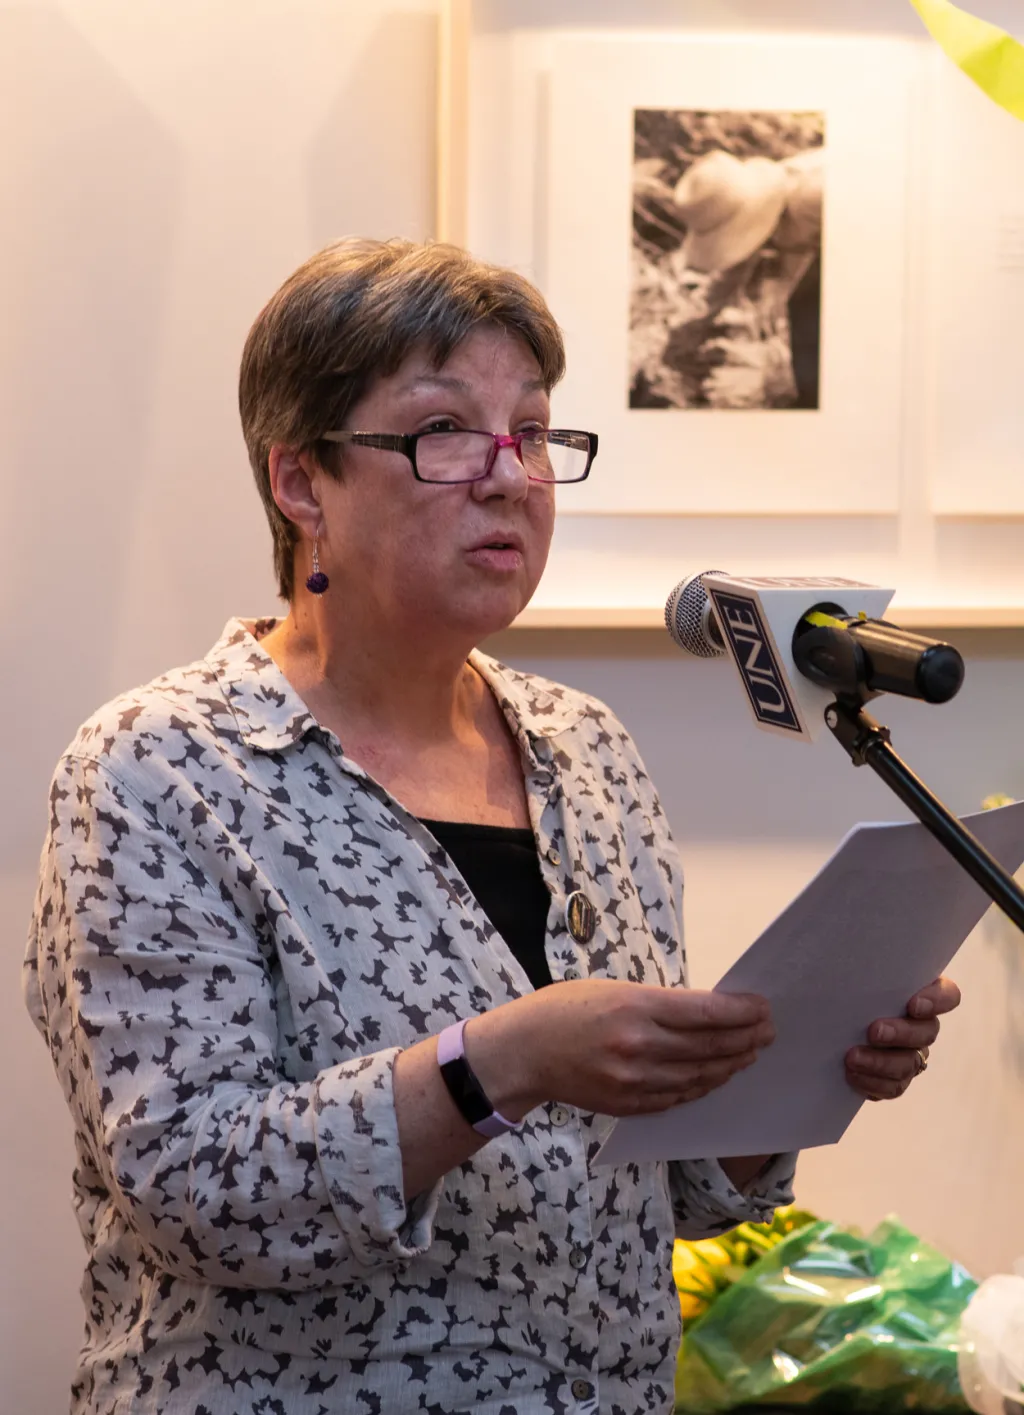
910	616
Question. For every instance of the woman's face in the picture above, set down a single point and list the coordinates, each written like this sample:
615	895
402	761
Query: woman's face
426	556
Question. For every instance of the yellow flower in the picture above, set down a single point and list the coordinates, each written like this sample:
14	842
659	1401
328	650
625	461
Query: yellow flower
997	799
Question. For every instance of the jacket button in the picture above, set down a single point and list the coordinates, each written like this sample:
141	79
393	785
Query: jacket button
554	858
559	1116
581	1390
571	975
578	1258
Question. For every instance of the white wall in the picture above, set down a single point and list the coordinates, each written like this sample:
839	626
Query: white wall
162	168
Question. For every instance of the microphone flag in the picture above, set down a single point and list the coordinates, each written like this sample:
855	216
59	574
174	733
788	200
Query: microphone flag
757	616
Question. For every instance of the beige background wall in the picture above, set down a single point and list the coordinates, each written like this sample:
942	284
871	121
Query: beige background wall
162	167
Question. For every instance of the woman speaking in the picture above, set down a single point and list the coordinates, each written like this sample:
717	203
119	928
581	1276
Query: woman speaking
349	940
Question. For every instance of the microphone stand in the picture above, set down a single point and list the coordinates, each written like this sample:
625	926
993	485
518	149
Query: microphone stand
869	744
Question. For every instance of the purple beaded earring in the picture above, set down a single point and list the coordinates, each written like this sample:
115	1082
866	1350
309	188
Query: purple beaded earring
318	581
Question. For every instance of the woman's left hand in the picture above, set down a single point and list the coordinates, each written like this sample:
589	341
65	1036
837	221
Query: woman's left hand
897	1049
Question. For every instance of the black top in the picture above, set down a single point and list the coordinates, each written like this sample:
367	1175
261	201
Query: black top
500	865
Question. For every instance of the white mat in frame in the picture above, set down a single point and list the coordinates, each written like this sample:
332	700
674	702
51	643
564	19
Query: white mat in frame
975	426
846	456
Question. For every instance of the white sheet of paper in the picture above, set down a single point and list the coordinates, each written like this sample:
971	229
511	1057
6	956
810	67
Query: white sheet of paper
880	920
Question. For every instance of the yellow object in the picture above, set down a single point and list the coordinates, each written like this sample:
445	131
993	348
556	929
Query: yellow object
705	1267
985	53
696	1268
821	620
993	802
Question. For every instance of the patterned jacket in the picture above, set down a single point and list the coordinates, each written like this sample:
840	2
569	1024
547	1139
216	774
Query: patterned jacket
236	932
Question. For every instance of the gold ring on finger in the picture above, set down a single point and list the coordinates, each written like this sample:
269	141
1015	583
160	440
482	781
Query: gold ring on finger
922	1060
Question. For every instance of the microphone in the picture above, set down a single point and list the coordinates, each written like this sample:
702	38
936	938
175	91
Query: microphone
690	619
799	642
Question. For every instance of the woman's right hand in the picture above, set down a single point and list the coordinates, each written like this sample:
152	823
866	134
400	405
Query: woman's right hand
614	1047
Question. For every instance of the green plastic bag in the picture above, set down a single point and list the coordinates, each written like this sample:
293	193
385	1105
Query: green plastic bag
834	1321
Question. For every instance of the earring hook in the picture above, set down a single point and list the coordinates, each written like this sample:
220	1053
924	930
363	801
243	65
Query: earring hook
318	582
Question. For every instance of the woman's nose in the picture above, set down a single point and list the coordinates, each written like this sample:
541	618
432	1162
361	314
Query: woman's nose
507	474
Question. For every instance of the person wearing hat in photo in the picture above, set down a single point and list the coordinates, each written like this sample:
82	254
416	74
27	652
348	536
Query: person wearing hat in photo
731	206
754	224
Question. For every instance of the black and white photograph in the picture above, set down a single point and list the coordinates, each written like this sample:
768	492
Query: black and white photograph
725	298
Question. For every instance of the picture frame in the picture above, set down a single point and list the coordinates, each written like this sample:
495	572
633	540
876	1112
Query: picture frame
615	559
843	456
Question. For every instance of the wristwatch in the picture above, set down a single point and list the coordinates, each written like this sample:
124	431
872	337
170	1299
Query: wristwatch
463	1086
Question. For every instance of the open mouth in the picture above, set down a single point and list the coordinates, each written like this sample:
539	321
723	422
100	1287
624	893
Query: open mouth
501	543
501	553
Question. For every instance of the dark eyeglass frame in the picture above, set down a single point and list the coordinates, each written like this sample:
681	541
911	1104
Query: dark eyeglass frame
407	442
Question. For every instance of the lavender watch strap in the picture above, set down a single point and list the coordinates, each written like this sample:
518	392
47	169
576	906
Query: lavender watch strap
466	1091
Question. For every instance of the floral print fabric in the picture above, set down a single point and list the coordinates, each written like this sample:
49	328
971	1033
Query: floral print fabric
236	932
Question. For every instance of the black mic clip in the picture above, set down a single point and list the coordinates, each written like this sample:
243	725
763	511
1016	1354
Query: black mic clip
857	658
834	660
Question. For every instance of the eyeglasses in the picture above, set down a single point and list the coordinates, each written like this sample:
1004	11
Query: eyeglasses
547	454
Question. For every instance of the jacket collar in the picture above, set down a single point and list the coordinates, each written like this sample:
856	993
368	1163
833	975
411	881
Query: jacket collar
270	714
272	717
535	708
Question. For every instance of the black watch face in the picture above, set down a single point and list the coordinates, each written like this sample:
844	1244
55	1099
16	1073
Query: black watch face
466	1091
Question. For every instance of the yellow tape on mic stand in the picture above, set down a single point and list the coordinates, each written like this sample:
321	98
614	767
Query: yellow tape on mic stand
987	54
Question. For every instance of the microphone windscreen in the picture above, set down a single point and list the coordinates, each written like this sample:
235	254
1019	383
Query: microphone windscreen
690	619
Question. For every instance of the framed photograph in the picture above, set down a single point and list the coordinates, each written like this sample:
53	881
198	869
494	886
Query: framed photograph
848	404
725	287
725	245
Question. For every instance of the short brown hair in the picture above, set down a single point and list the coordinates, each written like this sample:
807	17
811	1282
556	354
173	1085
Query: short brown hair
351	314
